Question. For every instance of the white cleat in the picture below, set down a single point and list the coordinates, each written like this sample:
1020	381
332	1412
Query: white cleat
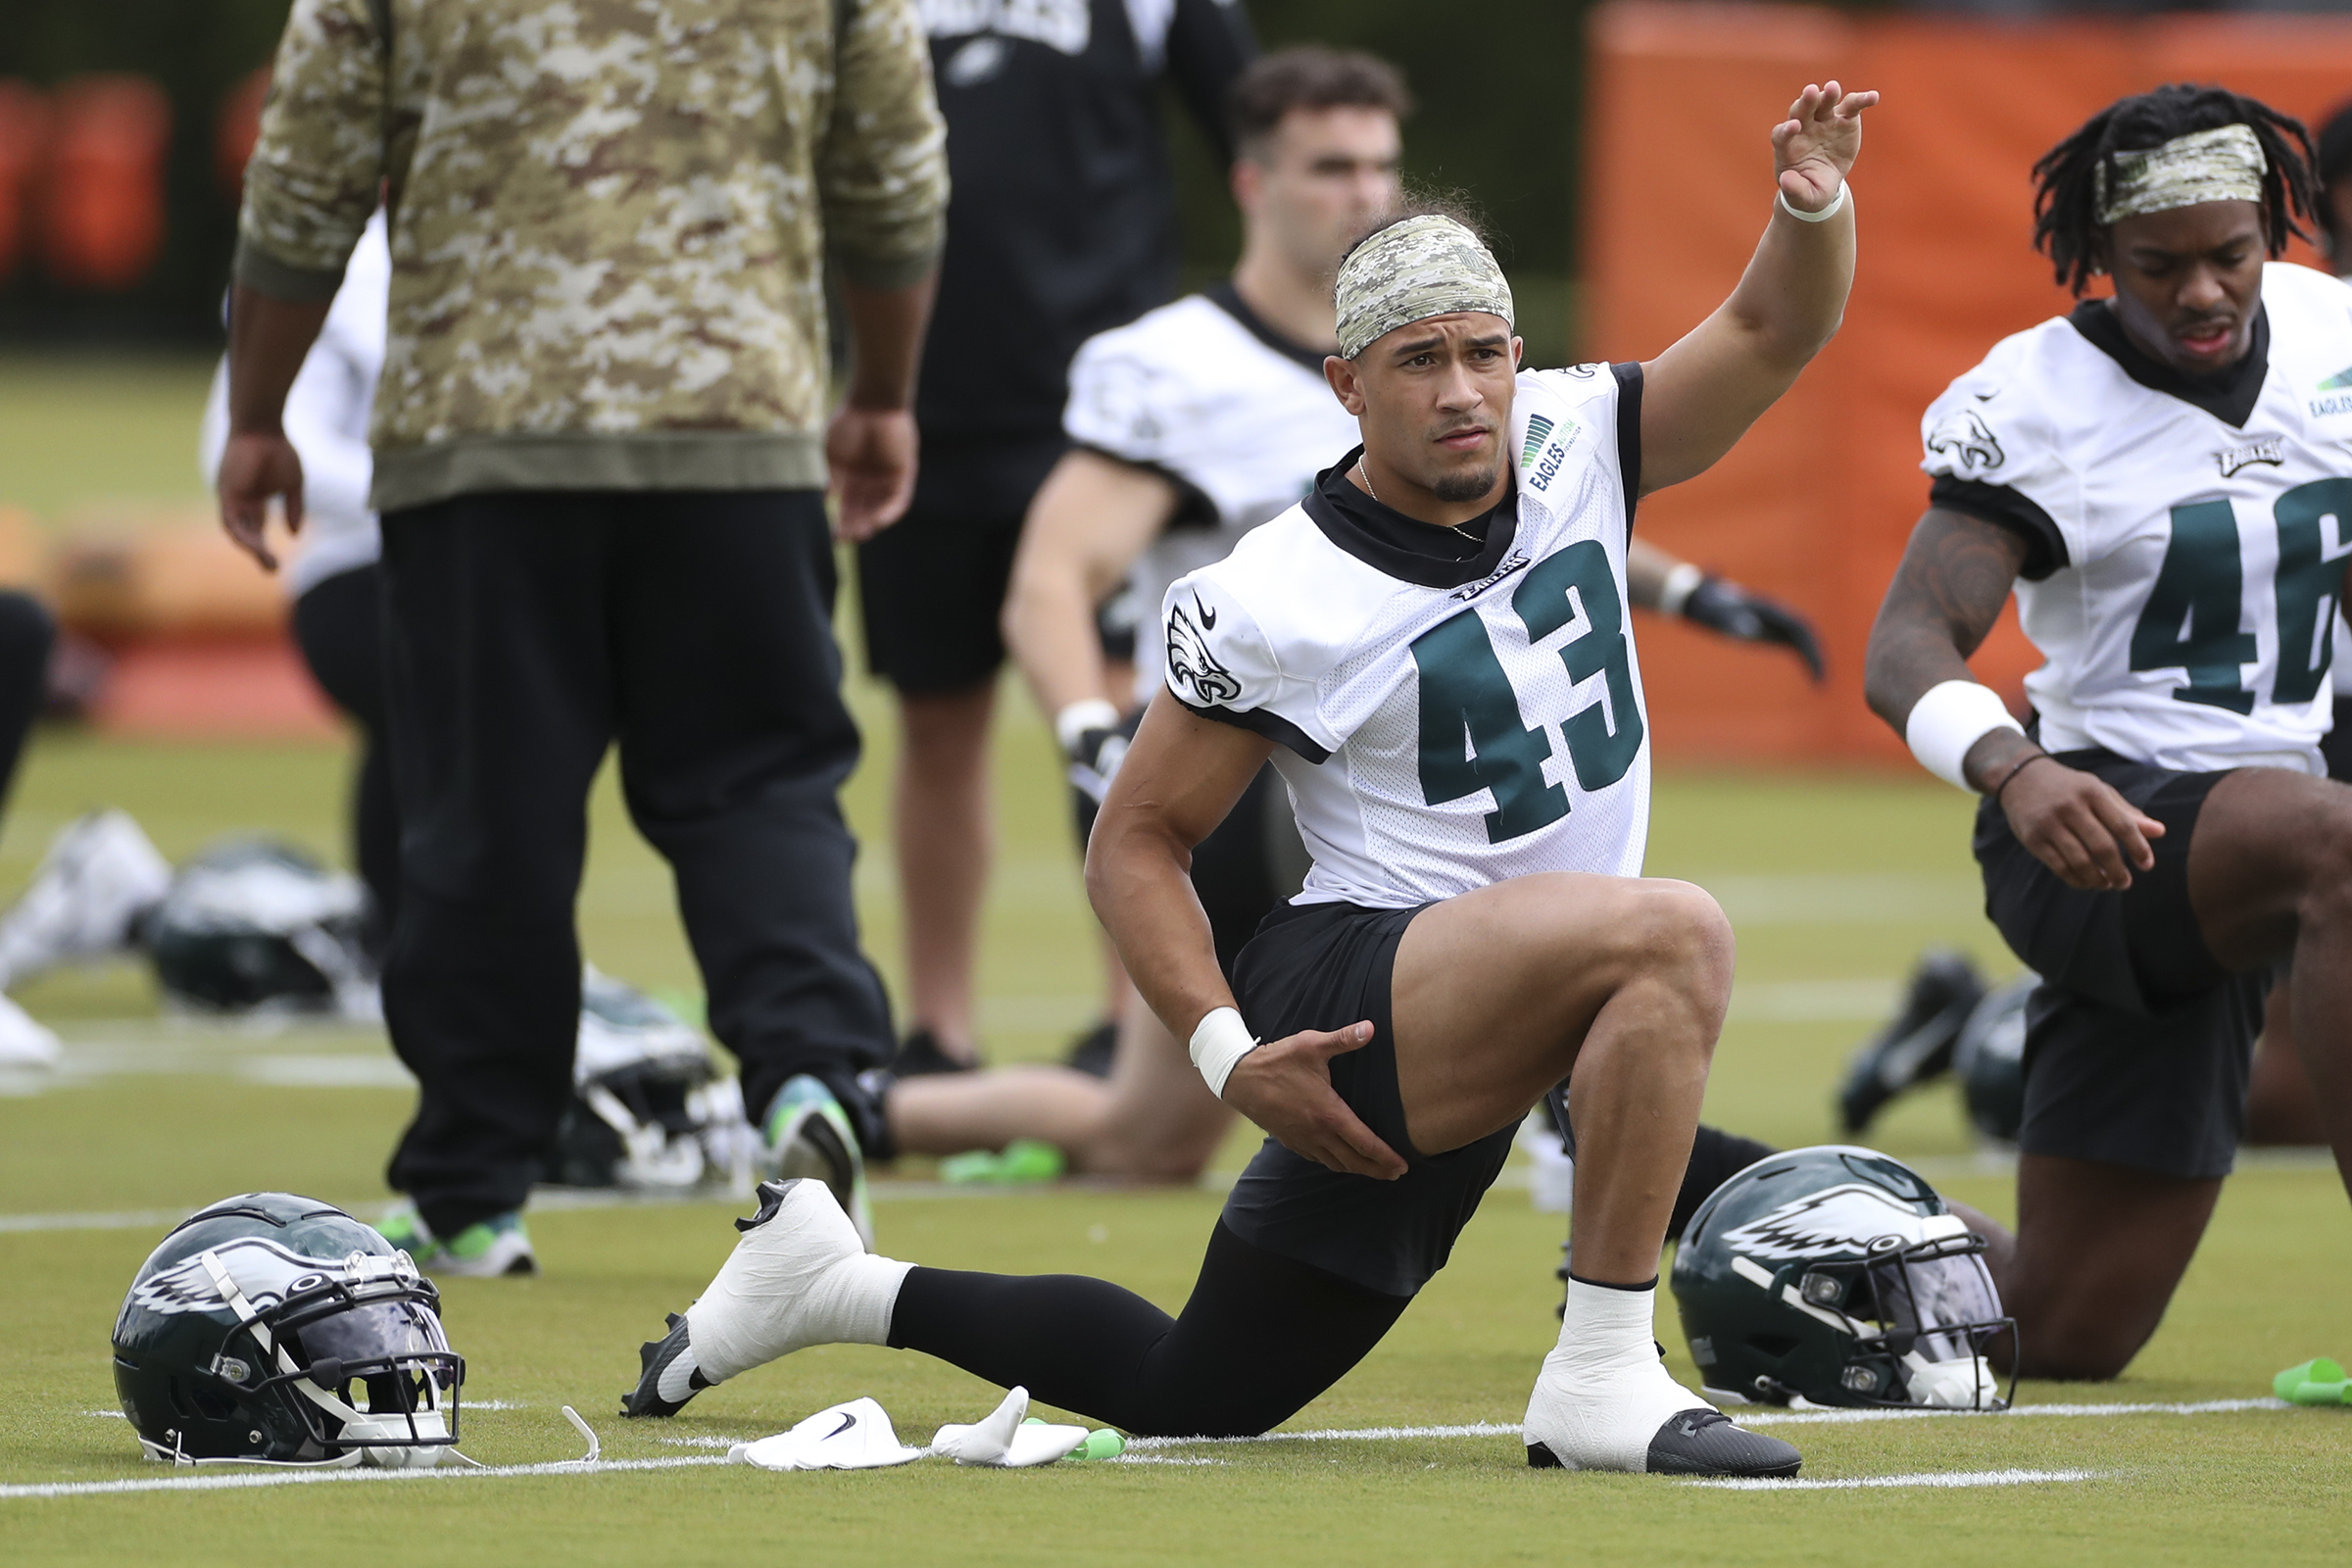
25	1042
1635	1417
101	873
799	1276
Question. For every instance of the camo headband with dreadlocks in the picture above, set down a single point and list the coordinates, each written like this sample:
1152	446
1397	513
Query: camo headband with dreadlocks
2225	165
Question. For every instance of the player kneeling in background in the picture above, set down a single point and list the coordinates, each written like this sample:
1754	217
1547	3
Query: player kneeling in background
2160	475
1475	930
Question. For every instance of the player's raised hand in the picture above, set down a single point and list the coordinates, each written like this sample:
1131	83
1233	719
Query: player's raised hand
1816	146
1285	1087
2078	826
255	468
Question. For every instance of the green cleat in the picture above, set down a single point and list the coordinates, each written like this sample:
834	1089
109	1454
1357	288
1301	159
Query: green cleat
489	1249
808	1134
1024	1161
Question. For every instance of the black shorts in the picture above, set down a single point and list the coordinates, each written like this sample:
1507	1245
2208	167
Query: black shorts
2337	747
2137	1041
931	585
1325	966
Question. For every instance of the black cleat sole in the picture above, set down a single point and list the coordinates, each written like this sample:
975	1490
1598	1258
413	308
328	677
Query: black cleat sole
653	1357
1708	1443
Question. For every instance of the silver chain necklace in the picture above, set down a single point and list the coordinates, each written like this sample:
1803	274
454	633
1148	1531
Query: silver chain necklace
1455	528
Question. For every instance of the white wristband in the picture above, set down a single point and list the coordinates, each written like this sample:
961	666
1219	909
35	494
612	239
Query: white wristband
1088	712
1682	581
1837	206
1950	718
1220	1040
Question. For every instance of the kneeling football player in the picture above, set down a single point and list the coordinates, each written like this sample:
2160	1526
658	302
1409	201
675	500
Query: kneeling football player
1432	648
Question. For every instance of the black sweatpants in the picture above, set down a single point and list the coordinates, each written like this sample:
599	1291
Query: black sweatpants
27	632
526	633
339	626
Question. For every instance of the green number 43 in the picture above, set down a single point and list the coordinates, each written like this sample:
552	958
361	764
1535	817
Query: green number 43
1472	735
2191	617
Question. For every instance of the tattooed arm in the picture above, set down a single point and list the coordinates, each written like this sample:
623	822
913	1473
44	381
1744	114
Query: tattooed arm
1955	576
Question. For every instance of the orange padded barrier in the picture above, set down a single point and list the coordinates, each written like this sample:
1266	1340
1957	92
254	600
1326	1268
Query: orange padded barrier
1816	504
23	135
103	205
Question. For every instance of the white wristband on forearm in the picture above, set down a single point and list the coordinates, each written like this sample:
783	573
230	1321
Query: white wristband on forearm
1088	712
1837	206
1682	581
1950	718
1220	1040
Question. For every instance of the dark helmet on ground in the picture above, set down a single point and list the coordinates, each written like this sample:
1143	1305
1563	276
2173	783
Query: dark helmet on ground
252	923
279	1330
1836	1276
1989	1058
648	1109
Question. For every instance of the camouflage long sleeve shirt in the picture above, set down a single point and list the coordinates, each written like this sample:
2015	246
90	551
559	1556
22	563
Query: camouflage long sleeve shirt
609	220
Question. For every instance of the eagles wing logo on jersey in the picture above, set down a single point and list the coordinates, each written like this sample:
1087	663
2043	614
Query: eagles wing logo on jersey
264	1270
1847	1217
1968	440
1191	663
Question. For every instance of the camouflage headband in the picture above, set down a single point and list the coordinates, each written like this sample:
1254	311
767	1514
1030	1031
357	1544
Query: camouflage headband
2204	165
1409	271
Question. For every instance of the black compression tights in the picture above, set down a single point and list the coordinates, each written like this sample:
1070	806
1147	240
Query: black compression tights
1261	1337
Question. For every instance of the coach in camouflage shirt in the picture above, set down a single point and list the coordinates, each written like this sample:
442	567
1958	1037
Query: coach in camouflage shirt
602	442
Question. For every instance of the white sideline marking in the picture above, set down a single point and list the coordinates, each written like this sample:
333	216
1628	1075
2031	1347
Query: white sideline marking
1786	1418
1155	1458
1943	1478
300	1478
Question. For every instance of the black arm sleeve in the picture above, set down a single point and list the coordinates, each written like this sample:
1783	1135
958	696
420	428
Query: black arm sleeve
1629	435
2004	508
1209	42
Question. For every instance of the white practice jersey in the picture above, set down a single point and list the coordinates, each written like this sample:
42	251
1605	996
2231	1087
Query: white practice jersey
2186	540
326	419
1239	420
1444	726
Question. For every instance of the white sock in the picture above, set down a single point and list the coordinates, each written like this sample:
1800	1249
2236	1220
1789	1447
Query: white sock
782	1291
1604	1392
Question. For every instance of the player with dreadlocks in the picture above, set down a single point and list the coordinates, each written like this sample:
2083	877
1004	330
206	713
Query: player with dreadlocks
2161	475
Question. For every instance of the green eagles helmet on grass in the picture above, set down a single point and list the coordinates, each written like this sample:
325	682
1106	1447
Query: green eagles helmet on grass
1836	1276
279	1329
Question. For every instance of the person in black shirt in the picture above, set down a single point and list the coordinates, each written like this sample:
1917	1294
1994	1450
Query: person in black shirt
1063	223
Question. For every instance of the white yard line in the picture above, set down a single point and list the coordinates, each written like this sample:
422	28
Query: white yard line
1932	1478
237	1479
1147	1451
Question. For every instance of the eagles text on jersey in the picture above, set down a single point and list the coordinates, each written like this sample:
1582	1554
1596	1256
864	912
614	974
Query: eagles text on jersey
1442	734
2185	540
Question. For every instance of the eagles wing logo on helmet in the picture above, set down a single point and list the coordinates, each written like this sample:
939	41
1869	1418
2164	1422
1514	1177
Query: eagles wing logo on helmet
1967	440
264	1270
1846	1217
1191	663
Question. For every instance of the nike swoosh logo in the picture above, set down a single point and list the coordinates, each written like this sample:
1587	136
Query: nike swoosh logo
849	1419
1208	617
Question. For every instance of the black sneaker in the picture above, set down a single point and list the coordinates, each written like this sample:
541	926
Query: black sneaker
656	1356
922	1056
1708	1443
1917	1045
1090	1052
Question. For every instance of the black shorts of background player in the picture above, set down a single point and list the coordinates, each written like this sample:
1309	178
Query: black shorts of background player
2155	901
1046	247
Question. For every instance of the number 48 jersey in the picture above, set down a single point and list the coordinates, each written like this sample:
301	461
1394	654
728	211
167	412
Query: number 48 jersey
1441	725
2185	540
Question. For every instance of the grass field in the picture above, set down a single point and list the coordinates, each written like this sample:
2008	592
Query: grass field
1834	885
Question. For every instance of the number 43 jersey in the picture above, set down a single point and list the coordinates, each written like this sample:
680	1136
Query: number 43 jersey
1444	725
2185	539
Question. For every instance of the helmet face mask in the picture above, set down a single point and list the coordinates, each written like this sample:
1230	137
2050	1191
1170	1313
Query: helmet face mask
1835	1276
240	1343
